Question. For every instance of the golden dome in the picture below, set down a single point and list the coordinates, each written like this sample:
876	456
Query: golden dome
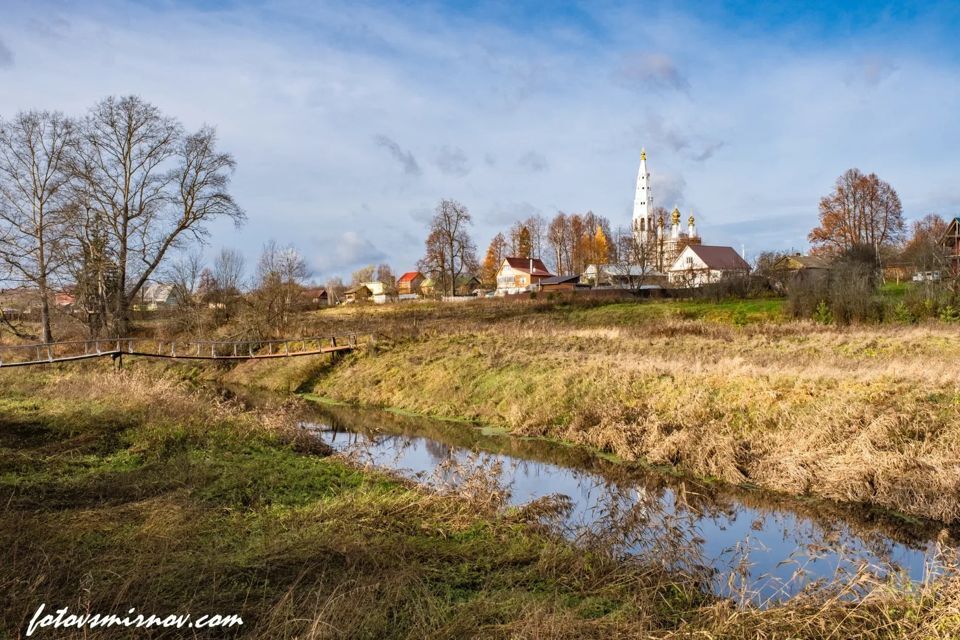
675	217
690	219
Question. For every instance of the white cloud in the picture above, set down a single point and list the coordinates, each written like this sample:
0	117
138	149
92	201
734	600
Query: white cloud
350	122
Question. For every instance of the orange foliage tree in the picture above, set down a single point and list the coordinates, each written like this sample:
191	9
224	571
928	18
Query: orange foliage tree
862	213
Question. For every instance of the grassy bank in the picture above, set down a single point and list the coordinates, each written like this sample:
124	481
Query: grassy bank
126	490
868	414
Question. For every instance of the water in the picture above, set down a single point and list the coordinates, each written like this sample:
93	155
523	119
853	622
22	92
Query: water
745	544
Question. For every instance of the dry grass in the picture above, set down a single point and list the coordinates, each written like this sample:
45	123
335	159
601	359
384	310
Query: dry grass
131	490
869	415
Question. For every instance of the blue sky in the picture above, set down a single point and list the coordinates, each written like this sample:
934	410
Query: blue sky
349	121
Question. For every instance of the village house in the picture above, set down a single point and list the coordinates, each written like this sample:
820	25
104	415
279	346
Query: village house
799	268
156	296
700	264
314	297
359	293
557	284
951	246
620	276
380	293
408	285
467	285
517	275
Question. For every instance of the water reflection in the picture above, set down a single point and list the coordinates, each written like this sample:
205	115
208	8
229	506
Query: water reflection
744	544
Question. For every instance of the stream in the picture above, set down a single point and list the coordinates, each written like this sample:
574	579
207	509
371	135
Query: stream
745	544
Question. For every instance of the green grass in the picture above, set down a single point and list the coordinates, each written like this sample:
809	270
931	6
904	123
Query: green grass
737	312
127	490
189	509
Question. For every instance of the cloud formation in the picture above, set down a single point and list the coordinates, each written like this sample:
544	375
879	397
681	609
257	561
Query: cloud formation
652	70
351	251
452	161
6	55
533	161
350	121
405	158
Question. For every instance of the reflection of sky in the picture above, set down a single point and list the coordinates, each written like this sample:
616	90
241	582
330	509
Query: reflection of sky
769	546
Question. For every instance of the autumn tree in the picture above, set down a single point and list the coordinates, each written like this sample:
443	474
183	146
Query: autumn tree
449	251
601	246
922	249
496	252
150	186
863	215
34	201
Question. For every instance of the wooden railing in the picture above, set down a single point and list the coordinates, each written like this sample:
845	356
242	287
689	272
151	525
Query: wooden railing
71	350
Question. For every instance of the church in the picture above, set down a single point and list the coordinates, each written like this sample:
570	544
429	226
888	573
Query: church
658	248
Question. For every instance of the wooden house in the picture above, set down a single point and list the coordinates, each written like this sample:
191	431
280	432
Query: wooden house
408	285
561	284
359	293
314	297
517	275
951	246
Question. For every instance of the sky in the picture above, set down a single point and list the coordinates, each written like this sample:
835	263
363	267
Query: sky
350	121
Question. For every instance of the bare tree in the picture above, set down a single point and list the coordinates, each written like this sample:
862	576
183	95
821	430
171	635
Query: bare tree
450	252
558	239
335	290
153	186
364	274
34	191
279	281
385	275
228	270
185	275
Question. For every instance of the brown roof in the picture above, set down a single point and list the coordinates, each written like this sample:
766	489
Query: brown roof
560	280
523	265
410	276
720	258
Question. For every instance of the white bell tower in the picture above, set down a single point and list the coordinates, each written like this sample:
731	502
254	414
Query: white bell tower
643	223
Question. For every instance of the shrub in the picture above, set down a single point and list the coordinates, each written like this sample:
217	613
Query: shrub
822	313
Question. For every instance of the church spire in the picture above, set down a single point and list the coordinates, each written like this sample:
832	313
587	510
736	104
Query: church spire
642	203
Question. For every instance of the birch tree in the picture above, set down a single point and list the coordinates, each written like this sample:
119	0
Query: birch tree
34	190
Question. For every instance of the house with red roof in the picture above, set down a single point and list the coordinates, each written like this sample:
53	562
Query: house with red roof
408	285
517	275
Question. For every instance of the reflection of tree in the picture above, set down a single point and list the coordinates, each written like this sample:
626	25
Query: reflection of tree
658	520
438	451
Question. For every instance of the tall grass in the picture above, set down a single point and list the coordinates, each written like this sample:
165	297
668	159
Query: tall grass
123	490
865	415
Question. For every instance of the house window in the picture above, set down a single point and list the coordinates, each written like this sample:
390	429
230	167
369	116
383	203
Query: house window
689	261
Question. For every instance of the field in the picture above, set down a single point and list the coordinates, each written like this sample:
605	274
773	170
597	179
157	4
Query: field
731	391
132	490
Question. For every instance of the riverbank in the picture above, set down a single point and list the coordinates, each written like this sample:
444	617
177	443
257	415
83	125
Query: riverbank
130	490
868	414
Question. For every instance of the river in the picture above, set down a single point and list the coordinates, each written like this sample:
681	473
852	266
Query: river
747	544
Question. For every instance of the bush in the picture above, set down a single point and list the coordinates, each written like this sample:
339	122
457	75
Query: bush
847	291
